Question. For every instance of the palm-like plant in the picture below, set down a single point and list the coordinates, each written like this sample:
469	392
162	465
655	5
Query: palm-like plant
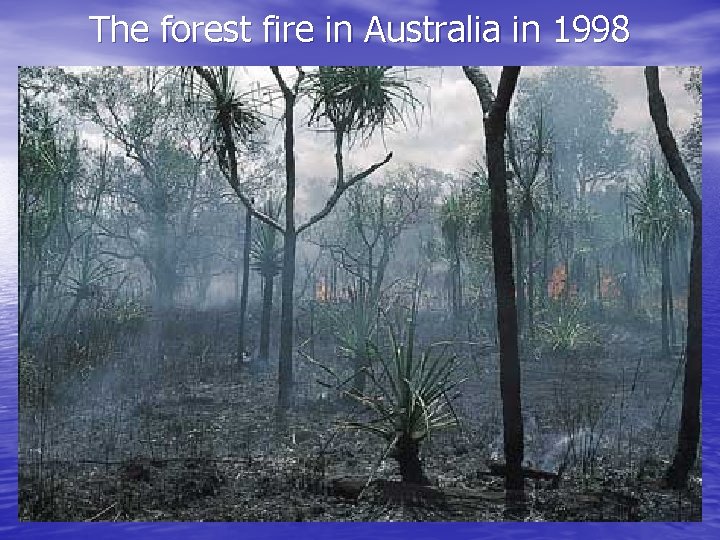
349	101
357	100
355	329
234	121
409	397
266	259
657	212
658	216
564	329
452	225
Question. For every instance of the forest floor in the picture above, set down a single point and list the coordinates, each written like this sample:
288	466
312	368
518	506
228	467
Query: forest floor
187	433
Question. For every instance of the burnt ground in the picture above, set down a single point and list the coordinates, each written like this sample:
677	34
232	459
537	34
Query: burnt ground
131	422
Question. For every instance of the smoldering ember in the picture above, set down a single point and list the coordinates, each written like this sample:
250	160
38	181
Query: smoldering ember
471	30
359	293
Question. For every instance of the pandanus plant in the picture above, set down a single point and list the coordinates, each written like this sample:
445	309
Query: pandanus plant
452	223
409	395
355	328
658	216
266	259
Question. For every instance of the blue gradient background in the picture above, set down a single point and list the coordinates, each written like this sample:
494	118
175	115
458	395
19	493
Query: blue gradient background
664	32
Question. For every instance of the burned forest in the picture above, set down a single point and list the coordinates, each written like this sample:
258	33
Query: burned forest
359	293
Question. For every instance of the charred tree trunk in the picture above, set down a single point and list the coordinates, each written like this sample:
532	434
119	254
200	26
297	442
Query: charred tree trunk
285	358
264	352
245	285
507	320
531	275
407	455
689	432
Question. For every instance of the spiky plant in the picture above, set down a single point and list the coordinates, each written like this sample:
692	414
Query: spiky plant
657	213
659	216
355	328
266	259
409	396
357	100
564	329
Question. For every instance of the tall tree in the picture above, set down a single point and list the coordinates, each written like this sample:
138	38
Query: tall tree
528	146
495	110
657	216
689	432
353	102
234	122
138	110
451	227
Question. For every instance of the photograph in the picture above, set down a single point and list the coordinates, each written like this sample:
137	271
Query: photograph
359	293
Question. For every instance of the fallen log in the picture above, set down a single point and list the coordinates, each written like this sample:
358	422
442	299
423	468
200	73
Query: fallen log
499	469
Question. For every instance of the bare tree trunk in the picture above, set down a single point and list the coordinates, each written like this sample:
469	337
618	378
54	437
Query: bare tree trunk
507	320
285	356
264	352
245	285
689	432
531	275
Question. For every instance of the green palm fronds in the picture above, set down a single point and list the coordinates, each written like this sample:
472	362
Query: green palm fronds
657	211
220	96
409	393
452	223
357	100
355	327
266	247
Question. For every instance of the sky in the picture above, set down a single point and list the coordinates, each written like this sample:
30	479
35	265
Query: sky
449	134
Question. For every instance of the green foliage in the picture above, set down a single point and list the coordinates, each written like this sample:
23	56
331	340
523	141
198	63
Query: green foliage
357	100
355	327
409	391
220	96
564	329
47	157
130	313
452	224
408	394
266	246
657	210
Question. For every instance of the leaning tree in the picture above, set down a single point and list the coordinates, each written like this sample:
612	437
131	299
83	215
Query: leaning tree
689	433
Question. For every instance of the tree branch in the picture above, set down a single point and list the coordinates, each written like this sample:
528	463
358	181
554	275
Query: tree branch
340	189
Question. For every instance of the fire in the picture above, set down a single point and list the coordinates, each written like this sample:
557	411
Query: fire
322	291
557	282
608	286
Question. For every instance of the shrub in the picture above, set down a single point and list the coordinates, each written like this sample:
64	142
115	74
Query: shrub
408	396
564	329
